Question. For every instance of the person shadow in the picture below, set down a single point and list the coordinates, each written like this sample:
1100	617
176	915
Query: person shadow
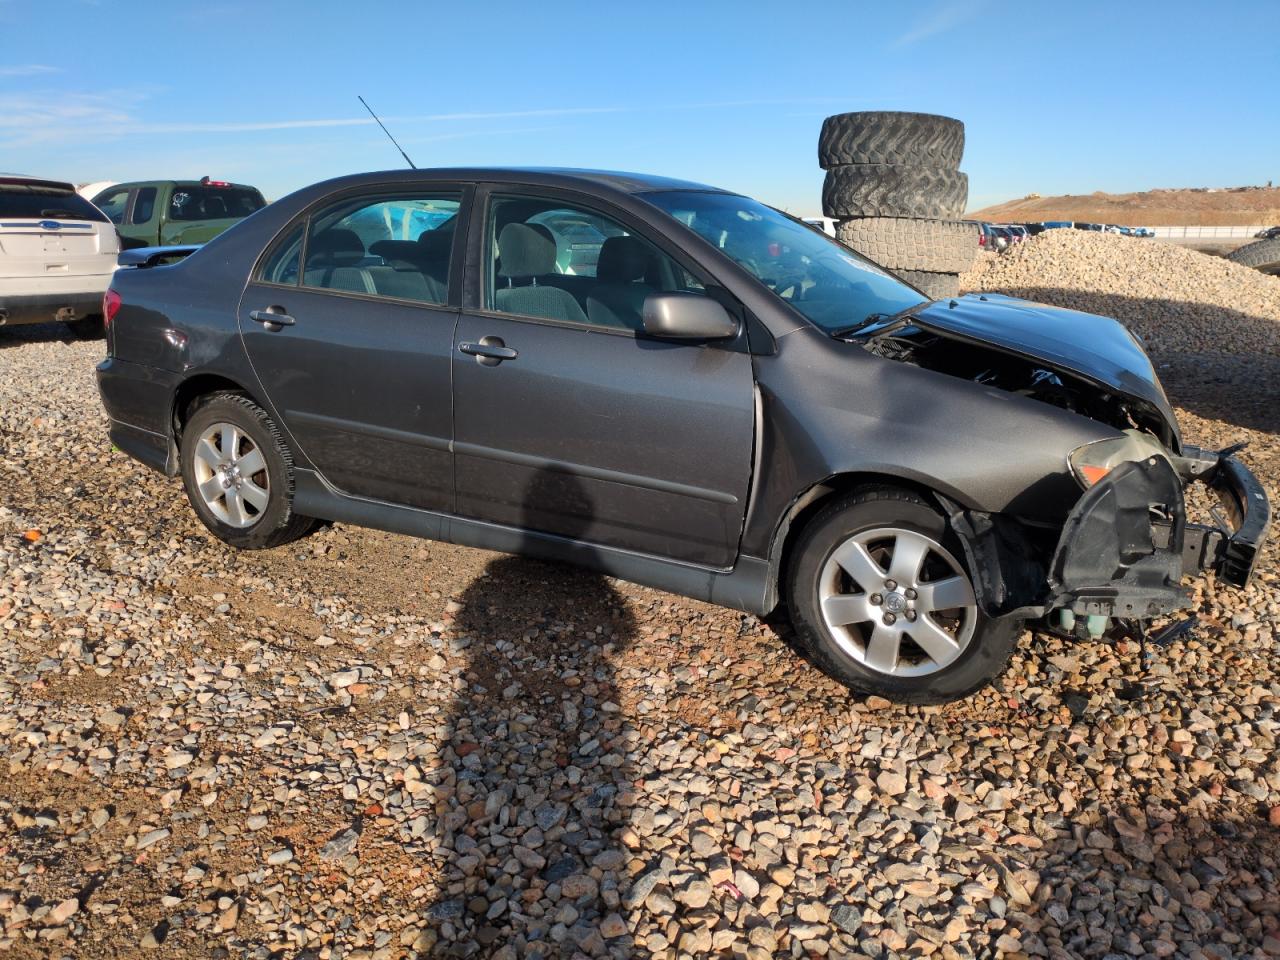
540	781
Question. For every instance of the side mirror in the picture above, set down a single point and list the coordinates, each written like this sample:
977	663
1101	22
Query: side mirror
686	316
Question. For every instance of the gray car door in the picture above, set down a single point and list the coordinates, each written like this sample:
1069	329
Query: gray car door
569	420
353	351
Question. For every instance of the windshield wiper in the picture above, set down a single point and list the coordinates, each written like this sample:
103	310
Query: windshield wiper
874	318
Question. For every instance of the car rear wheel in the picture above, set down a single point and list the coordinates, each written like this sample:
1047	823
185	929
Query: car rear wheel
881	599
238	474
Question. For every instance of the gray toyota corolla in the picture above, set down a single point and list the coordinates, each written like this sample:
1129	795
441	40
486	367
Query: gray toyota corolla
678	386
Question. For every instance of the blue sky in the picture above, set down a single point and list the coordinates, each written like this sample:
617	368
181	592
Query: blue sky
1056	97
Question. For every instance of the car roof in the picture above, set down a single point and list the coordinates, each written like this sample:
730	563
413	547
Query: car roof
130	184
616	180
13	178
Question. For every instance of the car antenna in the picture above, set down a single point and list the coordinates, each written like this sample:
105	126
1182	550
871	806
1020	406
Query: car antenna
411	164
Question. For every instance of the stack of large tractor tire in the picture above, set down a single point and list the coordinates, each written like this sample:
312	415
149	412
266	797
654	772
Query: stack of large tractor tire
895	190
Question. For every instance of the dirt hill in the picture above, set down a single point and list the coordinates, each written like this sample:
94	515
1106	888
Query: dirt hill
1155	208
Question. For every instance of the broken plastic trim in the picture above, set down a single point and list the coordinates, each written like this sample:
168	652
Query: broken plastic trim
1110	561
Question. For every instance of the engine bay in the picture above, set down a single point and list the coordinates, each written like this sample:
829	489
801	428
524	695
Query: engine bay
1034	379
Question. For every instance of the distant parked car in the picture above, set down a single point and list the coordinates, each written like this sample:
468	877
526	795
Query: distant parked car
1268	234
1143	232
1017	233
1033	229
57	254
1125	231
1001	238
1057	224
985	236
153	213
1097	227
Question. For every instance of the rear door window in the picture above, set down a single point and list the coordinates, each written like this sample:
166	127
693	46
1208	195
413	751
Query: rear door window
398	246
33	201
144	205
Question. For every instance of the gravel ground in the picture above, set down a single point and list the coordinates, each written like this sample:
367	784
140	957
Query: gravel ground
363	745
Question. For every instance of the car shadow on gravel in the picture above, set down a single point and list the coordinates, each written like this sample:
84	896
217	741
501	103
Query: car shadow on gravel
1222	380
537	749
23	334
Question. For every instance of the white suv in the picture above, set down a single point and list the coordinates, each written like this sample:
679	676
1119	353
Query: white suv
57	254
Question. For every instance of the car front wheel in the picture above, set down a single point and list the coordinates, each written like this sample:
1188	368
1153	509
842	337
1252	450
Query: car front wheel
238	474
880	597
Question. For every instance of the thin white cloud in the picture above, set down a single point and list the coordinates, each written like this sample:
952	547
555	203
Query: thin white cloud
28	70
41	117
942	17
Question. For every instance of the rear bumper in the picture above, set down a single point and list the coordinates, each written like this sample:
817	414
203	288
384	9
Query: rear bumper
79	300
139	400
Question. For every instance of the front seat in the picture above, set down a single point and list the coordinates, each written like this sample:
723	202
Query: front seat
617	299
527	259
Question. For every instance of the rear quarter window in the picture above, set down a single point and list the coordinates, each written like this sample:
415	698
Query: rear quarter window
42	203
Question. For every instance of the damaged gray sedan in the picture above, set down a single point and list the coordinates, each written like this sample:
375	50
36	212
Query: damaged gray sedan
681	387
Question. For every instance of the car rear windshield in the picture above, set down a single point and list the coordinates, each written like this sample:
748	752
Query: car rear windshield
214	203
825	281
41	202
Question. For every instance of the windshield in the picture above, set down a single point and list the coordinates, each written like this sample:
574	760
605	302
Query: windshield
825	281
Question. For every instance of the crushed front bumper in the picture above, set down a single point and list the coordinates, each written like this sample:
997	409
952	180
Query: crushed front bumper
1127	544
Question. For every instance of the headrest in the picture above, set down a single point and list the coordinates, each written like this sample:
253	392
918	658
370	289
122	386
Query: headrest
436	242
622	260
336	243
525	251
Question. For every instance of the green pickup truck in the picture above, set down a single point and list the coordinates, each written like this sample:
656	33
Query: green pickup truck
165	213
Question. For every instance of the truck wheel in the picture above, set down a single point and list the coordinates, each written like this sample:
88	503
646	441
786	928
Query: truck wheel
238	474
886	136
882	190
899	243
935	286
880	598
1263	255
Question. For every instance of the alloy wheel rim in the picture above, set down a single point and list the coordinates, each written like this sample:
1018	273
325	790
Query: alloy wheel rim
231	475
897	602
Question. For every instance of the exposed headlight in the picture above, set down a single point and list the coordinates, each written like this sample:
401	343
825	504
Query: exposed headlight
1093	461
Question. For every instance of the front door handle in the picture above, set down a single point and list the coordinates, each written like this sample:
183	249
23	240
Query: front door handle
273	318
489	351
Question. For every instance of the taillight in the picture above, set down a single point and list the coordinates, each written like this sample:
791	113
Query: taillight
111	303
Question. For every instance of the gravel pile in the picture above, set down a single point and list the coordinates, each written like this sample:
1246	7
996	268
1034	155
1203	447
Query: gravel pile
1178	300
367	746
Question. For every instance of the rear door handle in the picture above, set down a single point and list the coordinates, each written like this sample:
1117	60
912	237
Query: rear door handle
489	351
273	318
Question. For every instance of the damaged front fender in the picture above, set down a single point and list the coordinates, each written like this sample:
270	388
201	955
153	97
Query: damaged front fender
1110	560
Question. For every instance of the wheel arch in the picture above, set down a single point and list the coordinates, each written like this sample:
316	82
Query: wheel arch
185	397
808	502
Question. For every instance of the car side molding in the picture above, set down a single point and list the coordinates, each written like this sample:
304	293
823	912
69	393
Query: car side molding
747	586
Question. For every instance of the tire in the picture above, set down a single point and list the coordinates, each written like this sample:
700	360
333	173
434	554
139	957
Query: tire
939	246
87	328
263	521
935	286
1263	255
880	190
974	649
882	136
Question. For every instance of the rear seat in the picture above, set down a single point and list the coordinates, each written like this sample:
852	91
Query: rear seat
398	268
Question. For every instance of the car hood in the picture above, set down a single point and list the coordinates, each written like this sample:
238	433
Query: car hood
1097	349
